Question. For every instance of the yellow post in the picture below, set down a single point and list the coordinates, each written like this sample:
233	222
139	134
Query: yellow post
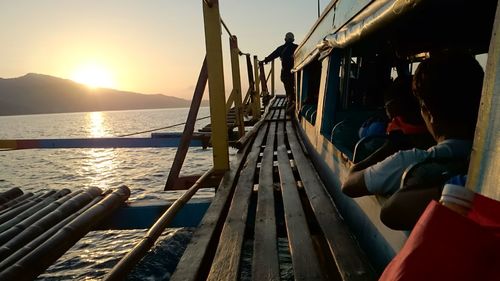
235	67
272	78
256	97
213	45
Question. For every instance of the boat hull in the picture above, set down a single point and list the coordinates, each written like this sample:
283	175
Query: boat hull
361	214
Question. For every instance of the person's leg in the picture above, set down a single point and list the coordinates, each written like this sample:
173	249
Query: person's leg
289	87
288	83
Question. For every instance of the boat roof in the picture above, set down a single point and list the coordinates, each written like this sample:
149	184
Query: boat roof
408	26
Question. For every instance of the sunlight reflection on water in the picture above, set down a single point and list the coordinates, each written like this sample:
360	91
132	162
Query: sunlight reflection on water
143	170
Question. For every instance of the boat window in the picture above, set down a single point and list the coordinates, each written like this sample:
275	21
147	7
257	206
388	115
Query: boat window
362	80
367	78
298	85
310	91
330	103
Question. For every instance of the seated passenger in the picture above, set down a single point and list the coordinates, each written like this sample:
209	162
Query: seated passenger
448	88
406	129
373	127
421	183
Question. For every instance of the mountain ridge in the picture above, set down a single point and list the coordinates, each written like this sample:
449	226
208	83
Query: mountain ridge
36	93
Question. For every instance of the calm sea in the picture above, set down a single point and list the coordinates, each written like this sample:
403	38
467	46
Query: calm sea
143	170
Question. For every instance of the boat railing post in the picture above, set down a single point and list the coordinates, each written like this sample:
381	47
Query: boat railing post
235	67
212	24
482	176
256	99
249	95
263	82
272	79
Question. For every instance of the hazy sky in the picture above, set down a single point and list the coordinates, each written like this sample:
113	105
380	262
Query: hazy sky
147	46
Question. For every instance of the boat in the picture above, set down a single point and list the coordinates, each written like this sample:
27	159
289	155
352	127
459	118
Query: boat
382	35
279	201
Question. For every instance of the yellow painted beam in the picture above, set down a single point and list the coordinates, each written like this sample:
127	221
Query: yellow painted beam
236	94
217	96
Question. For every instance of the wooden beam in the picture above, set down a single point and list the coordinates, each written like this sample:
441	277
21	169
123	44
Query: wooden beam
265	254
351	261
304	259
187	134
216	88
225	265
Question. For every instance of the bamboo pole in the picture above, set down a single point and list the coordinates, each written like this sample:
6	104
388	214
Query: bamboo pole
120	270
10	194
28	229
19	214
20	207
16	202
11	256
30	266
51	214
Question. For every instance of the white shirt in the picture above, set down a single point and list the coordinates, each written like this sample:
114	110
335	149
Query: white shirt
385	176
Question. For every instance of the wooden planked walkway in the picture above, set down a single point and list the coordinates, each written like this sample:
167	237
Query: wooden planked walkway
272	194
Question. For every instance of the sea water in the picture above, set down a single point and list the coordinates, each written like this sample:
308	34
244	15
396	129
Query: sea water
143	170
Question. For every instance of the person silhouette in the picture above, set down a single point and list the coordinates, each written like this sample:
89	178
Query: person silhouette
285	53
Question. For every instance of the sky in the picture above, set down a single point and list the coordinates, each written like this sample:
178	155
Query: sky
145	46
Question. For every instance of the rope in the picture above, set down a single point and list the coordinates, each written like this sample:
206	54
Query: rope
225	27
157	129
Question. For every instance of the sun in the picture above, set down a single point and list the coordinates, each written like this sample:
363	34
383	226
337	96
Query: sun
94	76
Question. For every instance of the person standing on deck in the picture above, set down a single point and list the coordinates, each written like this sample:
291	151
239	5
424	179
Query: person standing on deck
285	53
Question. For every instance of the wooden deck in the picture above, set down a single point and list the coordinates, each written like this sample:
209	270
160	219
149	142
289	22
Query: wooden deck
273	195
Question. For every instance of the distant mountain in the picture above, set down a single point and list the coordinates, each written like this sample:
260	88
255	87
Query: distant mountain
37	93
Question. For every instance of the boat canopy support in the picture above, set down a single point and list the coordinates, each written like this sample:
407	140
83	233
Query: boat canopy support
482	175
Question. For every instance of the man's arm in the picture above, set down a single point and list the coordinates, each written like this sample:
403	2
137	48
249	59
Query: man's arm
354	185
386	150
274	54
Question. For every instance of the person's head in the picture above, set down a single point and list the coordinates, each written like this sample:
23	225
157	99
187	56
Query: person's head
400	102
448	87
289	37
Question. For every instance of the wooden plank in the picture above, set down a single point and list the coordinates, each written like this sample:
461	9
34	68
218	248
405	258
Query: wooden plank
275	102
282	114
270	115
351	261
304	259
282	102
225	265
198	251
265	254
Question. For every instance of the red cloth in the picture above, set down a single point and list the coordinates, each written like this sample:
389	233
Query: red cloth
447	246
398	124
